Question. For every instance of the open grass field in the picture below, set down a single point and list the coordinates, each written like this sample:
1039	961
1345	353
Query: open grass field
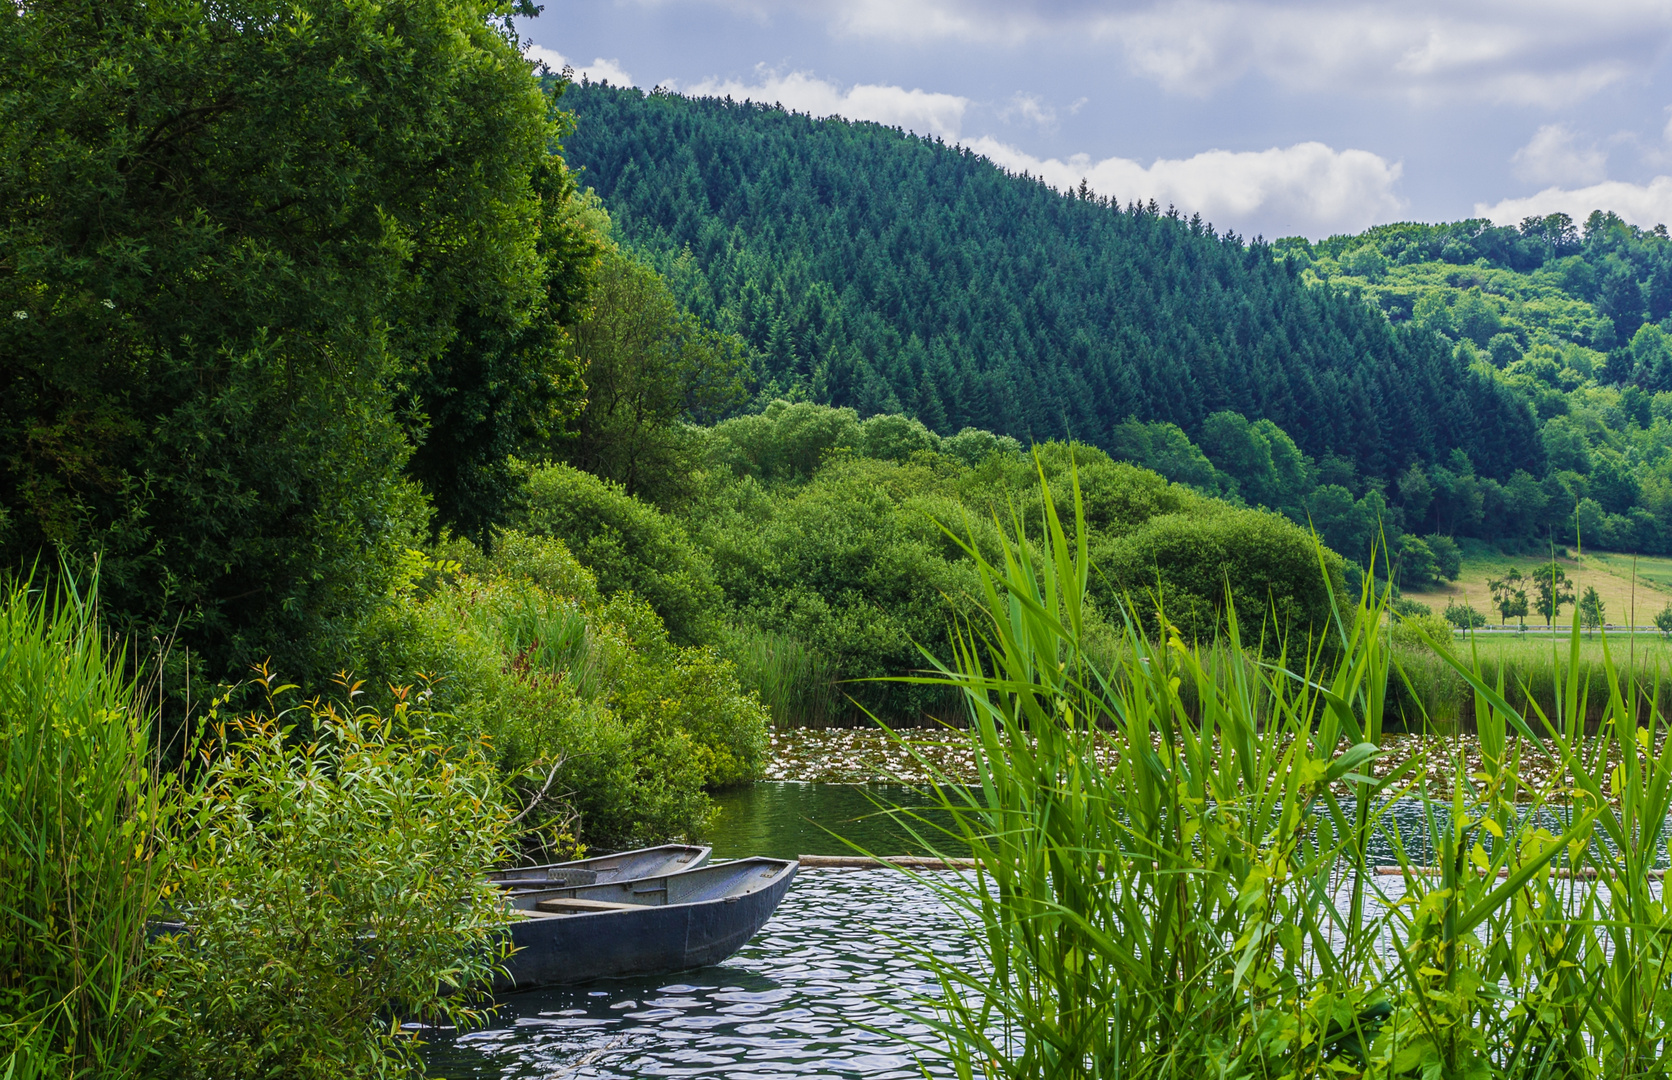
1625	594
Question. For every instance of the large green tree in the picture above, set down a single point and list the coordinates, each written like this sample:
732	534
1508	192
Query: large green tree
251	253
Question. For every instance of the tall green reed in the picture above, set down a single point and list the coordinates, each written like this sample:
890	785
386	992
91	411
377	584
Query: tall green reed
1176	856
797	684
77	836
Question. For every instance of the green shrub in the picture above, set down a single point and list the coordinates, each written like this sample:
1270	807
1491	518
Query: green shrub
584	699
1267	565
333	884
628	544
785	443
854	567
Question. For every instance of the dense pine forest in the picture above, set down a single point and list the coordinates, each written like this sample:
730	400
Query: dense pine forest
887	272
1442	381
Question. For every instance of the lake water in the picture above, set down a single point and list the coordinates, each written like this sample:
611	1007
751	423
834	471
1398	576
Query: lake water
798	1000
815	994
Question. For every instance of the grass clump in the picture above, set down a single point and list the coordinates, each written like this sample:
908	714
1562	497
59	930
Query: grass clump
1179	873
78	814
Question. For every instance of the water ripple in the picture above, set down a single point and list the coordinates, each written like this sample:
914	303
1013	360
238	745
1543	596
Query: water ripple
815	994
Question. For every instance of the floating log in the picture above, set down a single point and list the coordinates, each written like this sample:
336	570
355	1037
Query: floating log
858	862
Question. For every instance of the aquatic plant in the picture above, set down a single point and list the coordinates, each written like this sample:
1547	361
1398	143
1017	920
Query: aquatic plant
1177	875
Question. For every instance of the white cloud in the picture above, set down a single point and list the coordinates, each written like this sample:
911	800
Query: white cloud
1537	52
915	110
1033	110
600	70
1644	205
1552	157
1306	188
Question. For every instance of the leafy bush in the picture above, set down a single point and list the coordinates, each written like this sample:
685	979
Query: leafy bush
853	566
1416	631
332	884
1409	609
1192	565
628	544
584	699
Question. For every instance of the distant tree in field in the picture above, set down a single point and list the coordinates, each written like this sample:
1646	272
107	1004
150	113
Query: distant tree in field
1550	583
1509	595
1663	620
1461	614
1448	558
1591	610
1416	565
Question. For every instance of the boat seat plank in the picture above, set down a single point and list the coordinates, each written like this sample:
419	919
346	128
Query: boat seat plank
568	904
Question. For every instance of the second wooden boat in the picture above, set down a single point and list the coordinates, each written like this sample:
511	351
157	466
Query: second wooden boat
605	869
649	926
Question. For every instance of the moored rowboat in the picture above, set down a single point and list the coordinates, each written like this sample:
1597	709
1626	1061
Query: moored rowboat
646	926
604	869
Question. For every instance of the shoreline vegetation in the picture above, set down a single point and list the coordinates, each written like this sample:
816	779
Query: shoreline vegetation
1175	866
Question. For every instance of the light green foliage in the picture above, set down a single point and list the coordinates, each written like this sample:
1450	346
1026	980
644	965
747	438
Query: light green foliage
78	815
852	565
1190	566
1663	620
331	876
1178	864
1551	589
1422	630
1415	565
785	443
1509	595
581	697
628	544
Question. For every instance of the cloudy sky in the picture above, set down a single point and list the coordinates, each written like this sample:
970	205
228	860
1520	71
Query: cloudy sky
1270	117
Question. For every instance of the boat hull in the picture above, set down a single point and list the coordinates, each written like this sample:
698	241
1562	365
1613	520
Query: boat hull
648	939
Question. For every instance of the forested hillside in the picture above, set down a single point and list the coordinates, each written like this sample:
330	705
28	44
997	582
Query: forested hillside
878	270
1574	318
1446	381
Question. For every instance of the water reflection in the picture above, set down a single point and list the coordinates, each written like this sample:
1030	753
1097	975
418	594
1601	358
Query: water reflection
786	819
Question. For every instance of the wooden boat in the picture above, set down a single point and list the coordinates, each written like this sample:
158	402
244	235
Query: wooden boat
648	926
604	869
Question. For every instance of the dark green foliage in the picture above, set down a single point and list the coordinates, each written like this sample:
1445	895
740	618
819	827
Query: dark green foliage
888	273
248	252
628	544
650	367
1164	448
